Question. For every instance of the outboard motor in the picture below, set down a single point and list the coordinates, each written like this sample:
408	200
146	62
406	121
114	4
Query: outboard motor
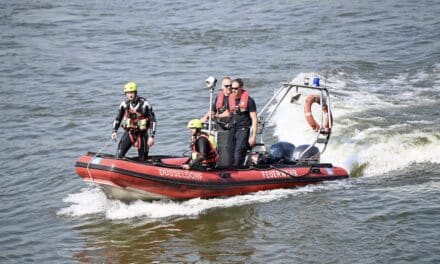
311	156
281	152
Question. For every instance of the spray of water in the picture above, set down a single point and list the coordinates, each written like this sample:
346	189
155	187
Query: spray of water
366	145
92	201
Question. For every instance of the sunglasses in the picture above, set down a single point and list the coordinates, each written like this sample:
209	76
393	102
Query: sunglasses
235	88
227	86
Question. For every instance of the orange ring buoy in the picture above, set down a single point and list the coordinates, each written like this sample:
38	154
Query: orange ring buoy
309	116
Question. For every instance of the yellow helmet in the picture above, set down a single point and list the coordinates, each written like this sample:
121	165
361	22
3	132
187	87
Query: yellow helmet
130	87
195	123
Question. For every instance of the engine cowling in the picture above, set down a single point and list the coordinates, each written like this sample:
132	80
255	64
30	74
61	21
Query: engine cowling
311	156
281	152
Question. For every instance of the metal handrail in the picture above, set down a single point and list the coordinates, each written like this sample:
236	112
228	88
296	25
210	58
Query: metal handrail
287	87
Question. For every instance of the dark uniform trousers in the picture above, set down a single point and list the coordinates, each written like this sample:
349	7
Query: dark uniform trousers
238	143
125	144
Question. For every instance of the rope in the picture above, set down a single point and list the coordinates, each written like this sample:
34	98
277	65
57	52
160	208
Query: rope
97	153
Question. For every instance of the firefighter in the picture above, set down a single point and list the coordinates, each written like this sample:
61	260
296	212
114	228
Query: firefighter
204	151
136	116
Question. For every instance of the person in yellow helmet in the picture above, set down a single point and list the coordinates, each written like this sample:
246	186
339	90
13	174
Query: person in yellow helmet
204	152
137	117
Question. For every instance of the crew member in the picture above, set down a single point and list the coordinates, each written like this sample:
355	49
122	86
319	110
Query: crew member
219	108
137	118
204	151
243	122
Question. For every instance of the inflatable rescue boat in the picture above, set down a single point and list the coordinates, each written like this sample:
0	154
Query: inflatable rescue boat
282	166
129	179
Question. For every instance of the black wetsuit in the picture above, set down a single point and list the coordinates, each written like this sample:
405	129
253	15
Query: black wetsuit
130	136
205	154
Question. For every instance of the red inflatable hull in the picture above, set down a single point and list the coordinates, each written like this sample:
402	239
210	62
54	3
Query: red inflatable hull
128	179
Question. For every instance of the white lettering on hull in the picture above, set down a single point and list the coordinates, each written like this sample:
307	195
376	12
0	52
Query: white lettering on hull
275	174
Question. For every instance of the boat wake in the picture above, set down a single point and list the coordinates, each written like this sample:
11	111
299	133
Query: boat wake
373	133
92	201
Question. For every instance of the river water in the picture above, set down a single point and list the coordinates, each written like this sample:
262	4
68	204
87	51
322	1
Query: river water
63	65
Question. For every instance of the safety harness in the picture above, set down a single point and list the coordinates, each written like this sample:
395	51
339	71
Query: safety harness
135	122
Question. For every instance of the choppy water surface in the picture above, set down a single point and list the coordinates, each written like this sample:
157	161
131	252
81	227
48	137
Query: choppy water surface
62	71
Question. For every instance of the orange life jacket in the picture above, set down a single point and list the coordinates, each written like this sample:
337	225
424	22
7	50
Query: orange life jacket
212	156
244	99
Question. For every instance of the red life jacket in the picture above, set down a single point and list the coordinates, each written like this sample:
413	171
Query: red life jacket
220	101
244	99
212	156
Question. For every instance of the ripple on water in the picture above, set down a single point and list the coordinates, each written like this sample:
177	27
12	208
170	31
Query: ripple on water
64	65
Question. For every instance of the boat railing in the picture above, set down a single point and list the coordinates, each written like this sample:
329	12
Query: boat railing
267	112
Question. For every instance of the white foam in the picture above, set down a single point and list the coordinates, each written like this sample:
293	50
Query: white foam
387	153
92	200
384	148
